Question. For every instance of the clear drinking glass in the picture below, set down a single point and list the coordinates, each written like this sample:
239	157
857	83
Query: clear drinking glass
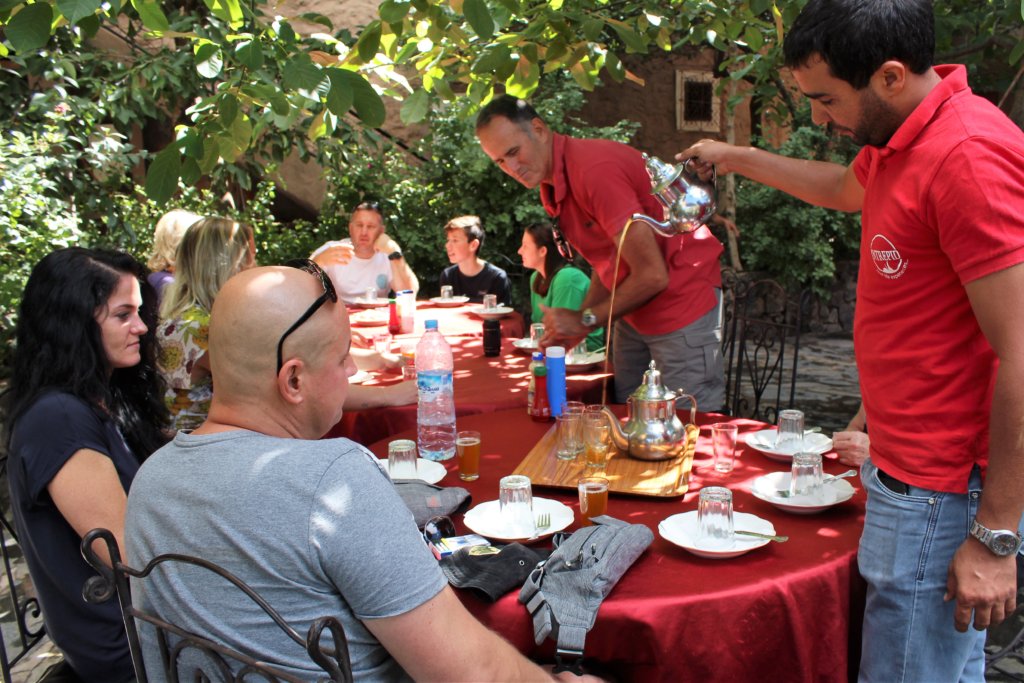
446	291
409	358
723	441
536	332
402	459
490	302
805	476
596	439
467	445
593	497
714	516
382	342
791	431
569	441
515	500
371	294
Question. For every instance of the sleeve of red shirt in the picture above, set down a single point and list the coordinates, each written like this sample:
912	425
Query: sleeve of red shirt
980	217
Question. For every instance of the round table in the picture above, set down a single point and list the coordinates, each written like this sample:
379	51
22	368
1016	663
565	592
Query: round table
783	612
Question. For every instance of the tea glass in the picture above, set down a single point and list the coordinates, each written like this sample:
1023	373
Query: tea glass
536	333
569	442
446	292
593	493
409	358
805	476
371	294
714	517
382	343
596	439
490	302
515	501
723	441
791	431
402	459
467	445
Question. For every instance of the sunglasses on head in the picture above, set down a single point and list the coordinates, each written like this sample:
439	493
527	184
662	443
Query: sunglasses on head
329	294
437	528
564	248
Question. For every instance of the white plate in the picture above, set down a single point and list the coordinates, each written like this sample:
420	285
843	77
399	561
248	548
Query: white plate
833	492
449	303
682	530
525	345
490	313
584	361
485	519
360	377
426	470
764	441
367	319
370	303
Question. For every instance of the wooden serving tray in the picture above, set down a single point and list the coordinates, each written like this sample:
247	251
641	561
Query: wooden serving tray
661	478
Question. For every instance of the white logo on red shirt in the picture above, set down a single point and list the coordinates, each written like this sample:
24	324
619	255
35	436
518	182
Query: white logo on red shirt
888	261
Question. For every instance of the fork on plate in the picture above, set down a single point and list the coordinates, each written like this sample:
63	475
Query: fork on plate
541	524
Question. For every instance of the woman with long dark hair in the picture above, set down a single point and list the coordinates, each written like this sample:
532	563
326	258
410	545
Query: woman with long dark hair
85	409
555	283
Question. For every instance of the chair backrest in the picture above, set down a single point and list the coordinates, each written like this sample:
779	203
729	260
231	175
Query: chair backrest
761	346
185	655
28	617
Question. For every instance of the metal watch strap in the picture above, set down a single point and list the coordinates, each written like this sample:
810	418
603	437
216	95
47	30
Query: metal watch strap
988	538
588	319
394	256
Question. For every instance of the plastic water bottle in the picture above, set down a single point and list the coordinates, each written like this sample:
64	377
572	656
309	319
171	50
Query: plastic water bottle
435	415
554	359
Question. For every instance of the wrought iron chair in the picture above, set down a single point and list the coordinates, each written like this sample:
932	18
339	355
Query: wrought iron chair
1004	651
761	346
189	656
28	617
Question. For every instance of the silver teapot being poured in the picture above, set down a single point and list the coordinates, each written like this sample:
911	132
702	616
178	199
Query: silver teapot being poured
689	201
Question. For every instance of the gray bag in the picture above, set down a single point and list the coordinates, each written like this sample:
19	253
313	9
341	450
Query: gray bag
564	592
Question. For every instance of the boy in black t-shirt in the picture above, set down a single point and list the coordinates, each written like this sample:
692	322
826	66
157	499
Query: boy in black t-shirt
470	275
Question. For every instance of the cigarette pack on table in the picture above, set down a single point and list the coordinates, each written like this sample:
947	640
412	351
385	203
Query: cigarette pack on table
447	546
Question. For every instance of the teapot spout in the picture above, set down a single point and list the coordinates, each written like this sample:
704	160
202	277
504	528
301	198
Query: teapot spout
618	434
662	227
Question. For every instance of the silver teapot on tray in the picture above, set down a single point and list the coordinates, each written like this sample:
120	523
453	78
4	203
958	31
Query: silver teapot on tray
653	431
689	201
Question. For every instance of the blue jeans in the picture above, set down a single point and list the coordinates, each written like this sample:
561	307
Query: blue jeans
905	551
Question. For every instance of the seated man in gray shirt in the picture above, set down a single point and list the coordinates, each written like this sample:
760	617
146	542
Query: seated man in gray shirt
314	525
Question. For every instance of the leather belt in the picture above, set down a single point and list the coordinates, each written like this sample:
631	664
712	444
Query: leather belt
893	484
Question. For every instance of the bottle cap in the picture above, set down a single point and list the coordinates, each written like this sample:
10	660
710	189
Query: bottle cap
555	352
391	300
430	324
538	356
540	371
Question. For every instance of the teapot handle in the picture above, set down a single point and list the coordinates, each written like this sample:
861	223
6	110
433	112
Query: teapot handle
714	171
693	404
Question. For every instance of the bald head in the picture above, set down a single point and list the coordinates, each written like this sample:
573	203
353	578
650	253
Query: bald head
251	312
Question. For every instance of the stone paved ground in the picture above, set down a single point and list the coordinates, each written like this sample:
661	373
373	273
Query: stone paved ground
827	392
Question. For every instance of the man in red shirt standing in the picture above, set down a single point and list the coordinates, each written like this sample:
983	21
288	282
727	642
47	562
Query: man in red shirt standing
667	303
940	310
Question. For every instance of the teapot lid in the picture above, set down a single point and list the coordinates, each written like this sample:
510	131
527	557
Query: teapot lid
651	389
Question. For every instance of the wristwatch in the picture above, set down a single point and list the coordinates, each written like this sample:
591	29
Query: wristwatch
1002	542
588	318
394	256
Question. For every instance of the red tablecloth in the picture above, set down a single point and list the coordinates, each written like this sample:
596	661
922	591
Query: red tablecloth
452	321
783	612
482	385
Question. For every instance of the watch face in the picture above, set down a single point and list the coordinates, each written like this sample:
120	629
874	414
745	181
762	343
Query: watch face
1004	544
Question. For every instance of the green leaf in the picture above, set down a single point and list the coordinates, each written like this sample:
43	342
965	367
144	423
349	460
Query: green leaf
300	72
209	61
280	104
190	172
76	10
228	109
162	176
89	26
317	18
614	66
369	106
211	154
415	107
582	76
479	17
250	54
228	11
241	132
592	29
192	145
29	29
759	6
153	17
754	38
369	41
340	96
392	11
317	127
1016	53
632	39
491	59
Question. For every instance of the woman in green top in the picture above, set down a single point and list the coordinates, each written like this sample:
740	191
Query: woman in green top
555	283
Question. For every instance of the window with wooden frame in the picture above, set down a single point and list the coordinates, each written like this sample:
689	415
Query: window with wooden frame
697	106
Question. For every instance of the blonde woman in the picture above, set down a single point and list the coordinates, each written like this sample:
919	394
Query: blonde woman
166	236
211	251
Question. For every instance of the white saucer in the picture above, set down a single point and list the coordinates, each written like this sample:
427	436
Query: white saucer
525	345
360	377
449	303
426	470
764	441
683	530
485	519
367	319
490	313
370	303
584	361
833	492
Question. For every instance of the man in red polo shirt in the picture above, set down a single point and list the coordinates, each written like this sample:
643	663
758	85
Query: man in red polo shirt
938	328
667	303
